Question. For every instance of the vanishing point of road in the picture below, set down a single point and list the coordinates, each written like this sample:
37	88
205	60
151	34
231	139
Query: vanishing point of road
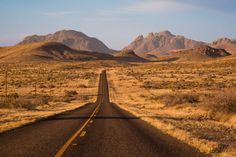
99	129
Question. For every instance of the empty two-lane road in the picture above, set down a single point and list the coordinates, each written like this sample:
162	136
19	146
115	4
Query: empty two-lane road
99	129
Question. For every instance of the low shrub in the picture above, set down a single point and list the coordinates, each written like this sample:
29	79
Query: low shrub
223	101
70	93
25	102
178	98
82	86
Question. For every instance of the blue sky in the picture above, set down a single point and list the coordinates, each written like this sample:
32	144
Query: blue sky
118	22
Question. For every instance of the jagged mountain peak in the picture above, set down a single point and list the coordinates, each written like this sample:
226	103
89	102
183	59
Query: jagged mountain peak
163	42
165	33
140	37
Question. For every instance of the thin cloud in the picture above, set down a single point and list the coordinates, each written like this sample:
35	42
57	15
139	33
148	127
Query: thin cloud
157	6
153	6
149	6
59	13
103	19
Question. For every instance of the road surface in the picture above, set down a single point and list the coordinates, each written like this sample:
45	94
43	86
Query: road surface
99	129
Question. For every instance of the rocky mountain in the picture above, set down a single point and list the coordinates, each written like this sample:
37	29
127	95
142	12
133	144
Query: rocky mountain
198	53
71	38
225	43
160	43
47	52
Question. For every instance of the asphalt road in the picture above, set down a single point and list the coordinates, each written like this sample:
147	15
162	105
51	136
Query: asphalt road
99	129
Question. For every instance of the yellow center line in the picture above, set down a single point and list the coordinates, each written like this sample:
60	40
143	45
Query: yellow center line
67	144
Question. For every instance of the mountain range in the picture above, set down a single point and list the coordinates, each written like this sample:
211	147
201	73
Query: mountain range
162	43
158	44
73	39
70	45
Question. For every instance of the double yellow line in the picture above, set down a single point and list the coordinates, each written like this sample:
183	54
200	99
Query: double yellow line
67	144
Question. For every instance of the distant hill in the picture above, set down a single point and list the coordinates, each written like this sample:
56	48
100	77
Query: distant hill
71	38
46	52
225	43
199	53
129	55
160	43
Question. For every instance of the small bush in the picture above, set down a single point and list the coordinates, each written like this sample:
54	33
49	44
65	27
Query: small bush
223	101
13	95
88	75
82	86
69	96
51	86
42	86
179	98
151	85
29	103
63	99
67	99
84	98
70	93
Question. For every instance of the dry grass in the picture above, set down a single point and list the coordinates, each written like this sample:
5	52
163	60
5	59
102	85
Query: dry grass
29	103
40	90
177	98
224	101
192	101
222	105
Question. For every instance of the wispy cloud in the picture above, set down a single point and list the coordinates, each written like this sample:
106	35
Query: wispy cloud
163	6
151	6
103	19
58	13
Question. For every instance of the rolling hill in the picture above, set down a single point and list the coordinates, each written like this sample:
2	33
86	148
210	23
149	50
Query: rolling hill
129	55
46	52
70	38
